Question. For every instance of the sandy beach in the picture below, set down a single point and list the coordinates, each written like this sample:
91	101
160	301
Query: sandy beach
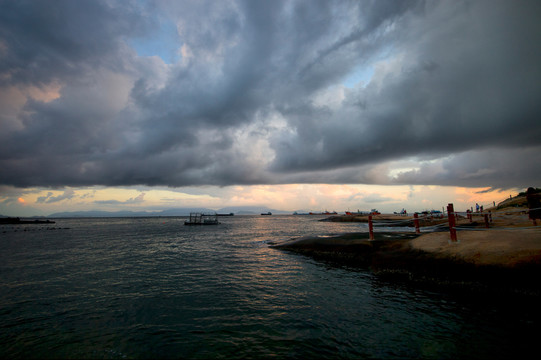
507	248
511	240
506	255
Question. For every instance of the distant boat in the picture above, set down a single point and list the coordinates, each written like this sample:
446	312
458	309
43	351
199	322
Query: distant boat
202	219
434	213
230	214
371	212
353	213
267	213
323	213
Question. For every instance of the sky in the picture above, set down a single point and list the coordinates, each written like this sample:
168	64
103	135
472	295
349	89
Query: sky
314	105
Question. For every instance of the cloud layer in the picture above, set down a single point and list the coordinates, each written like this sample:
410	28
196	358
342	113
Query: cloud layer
256	94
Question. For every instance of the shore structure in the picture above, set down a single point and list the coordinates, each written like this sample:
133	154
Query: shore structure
505	256
202	219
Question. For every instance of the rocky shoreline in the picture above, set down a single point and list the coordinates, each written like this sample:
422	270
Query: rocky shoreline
489	262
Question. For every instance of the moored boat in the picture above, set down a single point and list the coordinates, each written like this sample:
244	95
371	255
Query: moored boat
202	219
361	213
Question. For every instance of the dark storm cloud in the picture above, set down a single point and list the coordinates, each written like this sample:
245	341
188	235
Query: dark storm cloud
454	82
471	82
58	38
496	167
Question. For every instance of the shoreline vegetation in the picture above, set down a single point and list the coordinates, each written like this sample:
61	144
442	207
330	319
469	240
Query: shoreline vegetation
505	257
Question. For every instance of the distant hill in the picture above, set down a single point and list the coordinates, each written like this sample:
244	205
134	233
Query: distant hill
516	201
24	217
181	211
250	210
98	213
238	210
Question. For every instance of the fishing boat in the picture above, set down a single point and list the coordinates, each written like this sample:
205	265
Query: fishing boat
202	219
357	213
267	213
361	213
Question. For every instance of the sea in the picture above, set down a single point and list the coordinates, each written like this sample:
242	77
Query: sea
131	288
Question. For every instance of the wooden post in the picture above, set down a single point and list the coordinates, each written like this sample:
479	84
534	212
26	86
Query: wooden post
534	205
416	222
370	227
470	217
452	221
486	221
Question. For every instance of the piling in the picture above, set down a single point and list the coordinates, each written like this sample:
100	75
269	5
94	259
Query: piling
370	227
452	221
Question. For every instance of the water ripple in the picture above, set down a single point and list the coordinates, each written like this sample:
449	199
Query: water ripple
146	288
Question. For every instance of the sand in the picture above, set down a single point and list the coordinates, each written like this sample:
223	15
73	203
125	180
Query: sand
506	255
511	240
487	247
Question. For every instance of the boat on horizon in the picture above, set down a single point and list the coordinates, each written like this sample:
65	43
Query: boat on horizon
267	213
323	213
357	213
363	213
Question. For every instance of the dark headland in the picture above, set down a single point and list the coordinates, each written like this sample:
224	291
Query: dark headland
504	257
19	221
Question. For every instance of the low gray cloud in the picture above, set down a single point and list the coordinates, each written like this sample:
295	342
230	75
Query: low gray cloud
49	198
139	199
497	167
258	97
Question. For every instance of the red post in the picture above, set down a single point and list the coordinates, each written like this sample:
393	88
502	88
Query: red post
416	222
370	227
486	221
470	217
452	221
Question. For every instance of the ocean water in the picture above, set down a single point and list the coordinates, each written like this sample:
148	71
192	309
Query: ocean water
154	288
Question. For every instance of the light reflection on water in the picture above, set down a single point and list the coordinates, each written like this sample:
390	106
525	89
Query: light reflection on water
151	287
